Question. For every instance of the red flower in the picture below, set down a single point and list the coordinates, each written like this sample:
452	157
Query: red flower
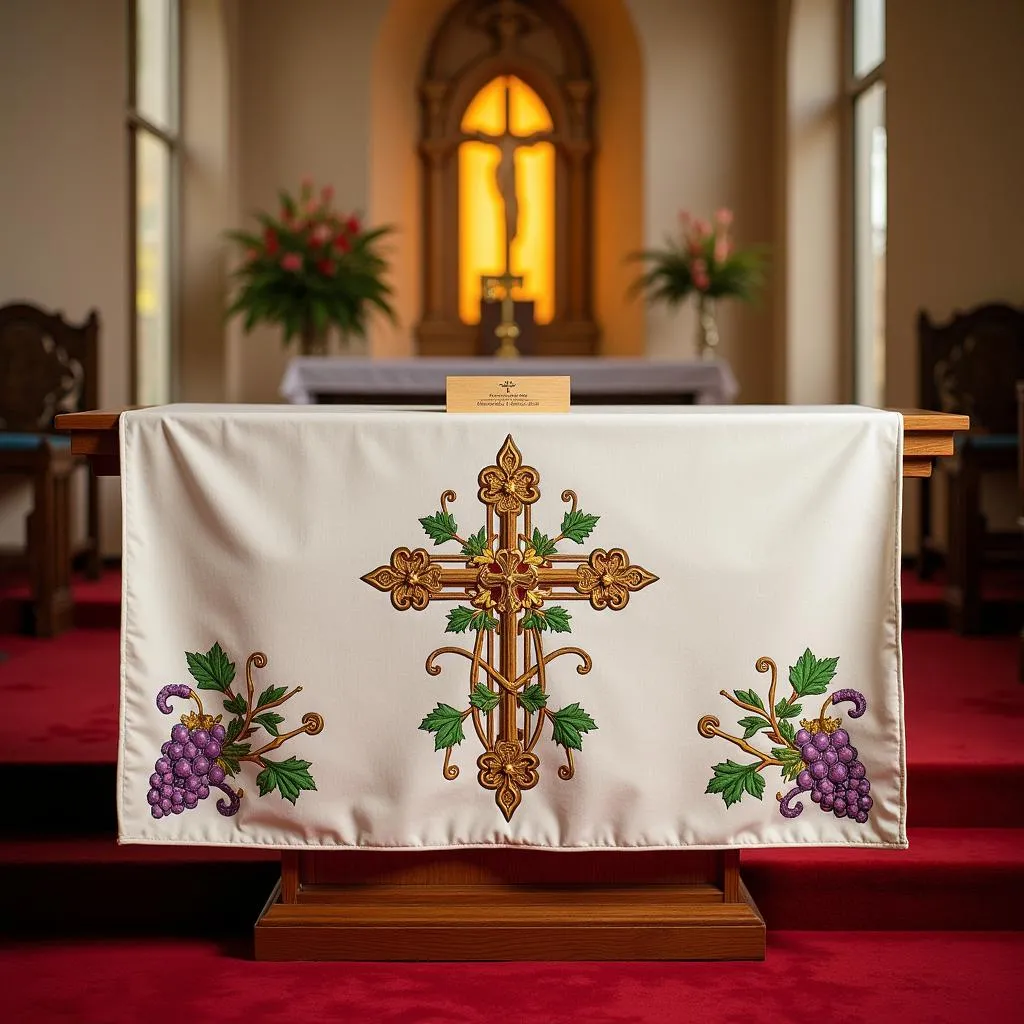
326	267
291	261
341	243
352	225
270	241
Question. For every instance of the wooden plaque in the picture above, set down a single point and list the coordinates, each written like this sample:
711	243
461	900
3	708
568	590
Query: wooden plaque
508	394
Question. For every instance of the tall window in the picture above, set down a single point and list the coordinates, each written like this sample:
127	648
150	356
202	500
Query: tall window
153	159
866	91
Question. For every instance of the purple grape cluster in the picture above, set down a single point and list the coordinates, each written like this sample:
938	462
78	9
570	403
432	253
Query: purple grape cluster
836	780
186	769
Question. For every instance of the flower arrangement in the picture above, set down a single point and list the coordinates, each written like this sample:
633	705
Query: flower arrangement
701	260
311	267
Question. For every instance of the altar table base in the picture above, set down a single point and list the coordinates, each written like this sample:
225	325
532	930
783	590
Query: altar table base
502	904
510	905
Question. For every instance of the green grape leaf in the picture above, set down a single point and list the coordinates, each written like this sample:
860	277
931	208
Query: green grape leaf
578	526
229	755
234	728
440	527
749	697
236	706
270	721
787	731
211	671
476	543
752	725
811	675
792	763
270	694
533	698
787	709
569	724
542	544
555	618
446	724
289	778
461	618
483	698
732	780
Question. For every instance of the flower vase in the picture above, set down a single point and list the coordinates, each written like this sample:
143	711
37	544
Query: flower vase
707	328
313	340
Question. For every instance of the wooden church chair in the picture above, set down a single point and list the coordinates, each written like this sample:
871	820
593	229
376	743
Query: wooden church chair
970	365
48	366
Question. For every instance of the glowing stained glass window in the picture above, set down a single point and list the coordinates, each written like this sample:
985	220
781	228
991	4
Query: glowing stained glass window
507	174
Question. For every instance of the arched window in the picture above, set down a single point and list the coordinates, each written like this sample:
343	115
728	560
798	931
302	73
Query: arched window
507	187
506	150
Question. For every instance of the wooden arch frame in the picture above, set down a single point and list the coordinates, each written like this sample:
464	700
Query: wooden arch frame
476	42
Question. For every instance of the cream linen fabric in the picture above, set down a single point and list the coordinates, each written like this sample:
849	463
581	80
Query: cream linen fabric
770	531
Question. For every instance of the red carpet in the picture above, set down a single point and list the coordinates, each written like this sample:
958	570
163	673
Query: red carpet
906	978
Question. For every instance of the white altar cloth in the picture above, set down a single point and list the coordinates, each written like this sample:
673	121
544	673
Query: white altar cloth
609	629
307	378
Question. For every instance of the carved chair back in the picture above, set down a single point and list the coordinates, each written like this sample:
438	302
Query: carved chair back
971	363
47	366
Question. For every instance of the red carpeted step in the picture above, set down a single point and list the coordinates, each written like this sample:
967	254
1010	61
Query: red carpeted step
93	886
97	602
897	978
949	878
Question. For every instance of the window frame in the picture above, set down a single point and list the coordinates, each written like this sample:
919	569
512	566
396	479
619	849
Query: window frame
136	125
855	87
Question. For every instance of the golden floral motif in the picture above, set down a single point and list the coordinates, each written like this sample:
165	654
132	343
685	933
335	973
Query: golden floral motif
609	579
508	769
412	578
509	485
508	579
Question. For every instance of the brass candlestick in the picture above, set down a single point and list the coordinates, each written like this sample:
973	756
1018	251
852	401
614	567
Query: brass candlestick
500	288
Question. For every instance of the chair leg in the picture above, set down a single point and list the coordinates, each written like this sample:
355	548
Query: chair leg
49	536
93	565
966	538
925	557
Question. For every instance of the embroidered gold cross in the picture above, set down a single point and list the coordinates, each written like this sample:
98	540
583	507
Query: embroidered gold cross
515	575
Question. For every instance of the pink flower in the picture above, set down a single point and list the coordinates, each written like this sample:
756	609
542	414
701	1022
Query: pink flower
327	194
702	228
684	219
311	207
699	273
722	248
291	261
724	216
321	234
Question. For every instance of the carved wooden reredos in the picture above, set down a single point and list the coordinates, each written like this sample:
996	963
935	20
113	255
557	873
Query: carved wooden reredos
539	42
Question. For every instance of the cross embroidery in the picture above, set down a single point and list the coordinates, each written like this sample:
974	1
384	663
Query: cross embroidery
510	573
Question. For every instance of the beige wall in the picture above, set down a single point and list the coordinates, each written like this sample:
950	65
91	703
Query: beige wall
304	90
63	176
209	192
709	143
809	245
955	83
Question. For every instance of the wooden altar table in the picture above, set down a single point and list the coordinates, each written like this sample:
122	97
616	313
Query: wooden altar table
507	903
